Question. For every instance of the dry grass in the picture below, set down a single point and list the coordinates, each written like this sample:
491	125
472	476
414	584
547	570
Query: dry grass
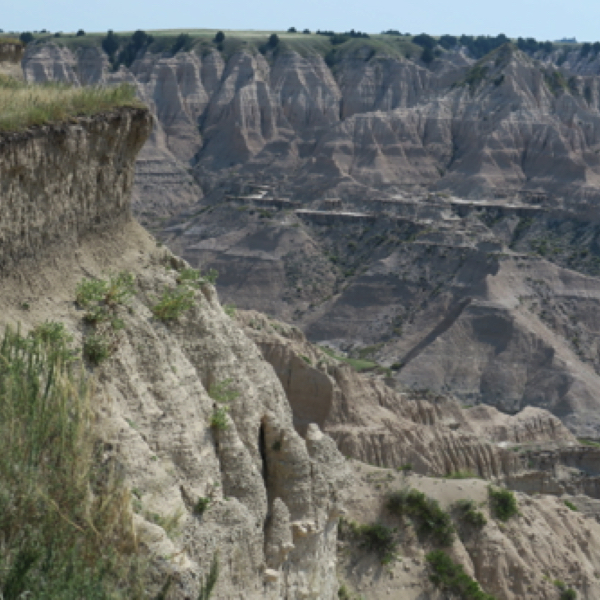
24	105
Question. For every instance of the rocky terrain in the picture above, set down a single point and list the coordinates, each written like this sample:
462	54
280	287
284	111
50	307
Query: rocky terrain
440	216
271	497
432	227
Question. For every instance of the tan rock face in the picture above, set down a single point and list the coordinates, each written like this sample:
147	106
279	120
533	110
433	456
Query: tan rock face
373	423
44	172
518	559
274	497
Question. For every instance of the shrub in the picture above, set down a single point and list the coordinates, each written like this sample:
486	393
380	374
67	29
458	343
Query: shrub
194	278
343	593
431	519
201	506
451	577
222	393
405	468
173	303
571	506
26	37
219	37
96	348
65	525
565	592
373	537
461	475
55	339
292	30
230	310
80	33
503	503
469	514
273	40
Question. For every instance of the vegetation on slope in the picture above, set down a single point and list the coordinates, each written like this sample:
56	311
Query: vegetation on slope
65	522
24	105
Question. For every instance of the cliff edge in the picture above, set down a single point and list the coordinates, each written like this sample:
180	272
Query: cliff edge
270	499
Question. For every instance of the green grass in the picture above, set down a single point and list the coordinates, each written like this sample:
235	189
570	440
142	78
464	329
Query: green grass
590	443
65	522
25	105
570	505
201	42
357	364
461	475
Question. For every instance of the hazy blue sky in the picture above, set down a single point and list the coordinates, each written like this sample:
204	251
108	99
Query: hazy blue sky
547	19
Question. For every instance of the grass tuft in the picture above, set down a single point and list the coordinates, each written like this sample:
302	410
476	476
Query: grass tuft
24	105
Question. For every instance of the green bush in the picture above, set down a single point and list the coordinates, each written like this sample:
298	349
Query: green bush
503	503
571	506
201	506
373	537
230	310
222	393
117	290
430	518
96	348
194	278
451	577
469	514
65	523
565	592
173	303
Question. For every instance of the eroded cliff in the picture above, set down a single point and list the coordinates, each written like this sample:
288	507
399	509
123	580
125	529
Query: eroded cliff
272	498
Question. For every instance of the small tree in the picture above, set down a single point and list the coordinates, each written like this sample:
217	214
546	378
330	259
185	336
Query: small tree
110	44
306	31
292	30
26	37
139	39
219	38
427	56
80	33
183	42
273	40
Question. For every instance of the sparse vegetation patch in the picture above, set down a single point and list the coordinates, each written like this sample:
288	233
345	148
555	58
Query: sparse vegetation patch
65	526
451	577
431	520
24	105
503	503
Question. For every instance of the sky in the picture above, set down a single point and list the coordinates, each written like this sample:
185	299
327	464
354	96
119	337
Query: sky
543	20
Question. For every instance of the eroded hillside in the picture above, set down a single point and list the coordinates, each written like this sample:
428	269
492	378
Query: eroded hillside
185	404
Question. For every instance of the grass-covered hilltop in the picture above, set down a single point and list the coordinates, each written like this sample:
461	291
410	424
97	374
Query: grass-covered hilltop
23	105
123	47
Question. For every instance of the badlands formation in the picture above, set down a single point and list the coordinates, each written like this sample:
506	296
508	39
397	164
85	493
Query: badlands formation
423	239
